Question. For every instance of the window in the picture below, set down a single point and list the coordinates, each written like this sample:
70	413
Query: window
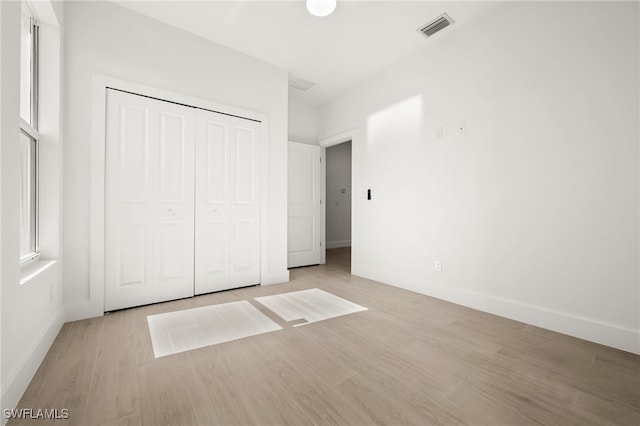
29	136
29	68
28	197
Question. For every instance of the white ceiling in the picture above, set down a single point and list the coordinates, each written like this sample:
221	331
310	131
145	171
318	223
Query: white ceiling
336	52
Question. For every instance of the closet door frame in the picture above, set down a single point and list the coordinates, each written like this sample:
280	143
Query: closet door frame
95	305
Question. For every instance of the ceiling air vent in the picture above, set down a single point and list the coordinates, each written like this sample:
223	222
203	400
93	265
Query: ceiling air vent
436	25
301	84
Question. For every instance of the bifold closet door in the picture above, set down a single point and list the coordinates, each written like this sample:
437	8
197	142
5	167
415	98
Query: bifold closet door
227	202
149	205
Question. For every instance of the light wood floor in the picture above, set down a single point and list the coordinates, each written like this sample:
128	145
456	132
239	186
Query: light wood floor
409	359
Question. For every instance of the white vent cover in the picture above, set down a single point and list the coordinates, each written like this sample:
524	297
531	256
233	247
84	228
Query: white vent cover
301	84
436	25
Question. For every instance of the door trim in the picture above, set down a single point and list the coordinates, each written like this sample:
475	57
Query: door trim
94	306
345	136
354	136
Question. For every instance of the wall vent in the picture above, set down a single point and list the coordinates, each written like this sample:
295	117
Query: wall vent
301	84
436	25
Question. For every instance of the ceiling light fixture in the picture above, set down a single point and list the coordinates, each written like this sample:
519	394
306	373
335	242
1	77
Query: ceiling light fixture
321	7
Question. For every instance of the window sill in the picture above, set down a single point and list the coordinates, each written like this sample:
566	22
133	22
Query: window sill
31	270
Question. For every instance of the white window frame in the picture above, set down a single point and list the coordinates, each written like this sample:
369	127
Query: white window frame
31	131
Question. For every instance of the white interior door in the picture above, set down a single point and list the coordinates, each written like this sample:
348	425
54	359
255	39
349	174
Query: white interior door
149	205
227	226
305	205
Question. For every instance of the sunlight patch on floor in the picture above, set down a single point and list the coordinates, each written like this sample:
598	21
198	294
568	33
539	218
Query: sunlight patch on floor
311	305
180	331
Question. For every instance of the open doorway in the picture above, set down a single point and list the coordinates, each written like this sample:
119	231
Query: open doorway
338	205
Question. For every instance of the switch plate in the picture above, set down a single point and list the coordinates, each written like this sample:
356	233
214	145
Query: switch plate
437	266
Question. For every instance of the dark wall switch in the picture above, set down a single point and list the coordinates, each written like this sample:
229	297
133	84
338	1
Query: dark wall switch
368	194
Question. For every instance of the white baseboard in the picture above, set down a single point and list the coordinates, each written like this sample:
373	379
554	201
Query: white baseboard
590	329
80	310
338	244
275	277
15	385
76	311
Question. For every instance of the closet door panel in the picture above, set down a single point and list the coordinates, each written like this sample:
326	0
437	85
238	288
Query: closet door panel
227	202
216	238
173	147
128	203
244	166
214	151
174	209
132	259
149	201
212	202
245	205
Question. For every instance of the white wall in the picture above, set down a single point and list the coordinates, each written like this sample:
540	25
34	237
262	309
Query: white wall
32	313
534	210
338	205
303	120
106	39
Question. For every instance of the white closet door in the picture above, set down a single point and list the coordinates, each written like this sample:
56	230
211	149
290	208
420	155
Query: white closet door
227	202
149	206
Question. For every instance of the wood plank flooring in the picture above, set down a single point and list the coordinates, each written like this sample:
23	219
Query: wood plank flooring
408	360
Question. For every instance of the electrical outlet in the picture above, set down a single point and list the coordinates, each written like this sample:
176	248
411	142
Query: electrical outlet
437	266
